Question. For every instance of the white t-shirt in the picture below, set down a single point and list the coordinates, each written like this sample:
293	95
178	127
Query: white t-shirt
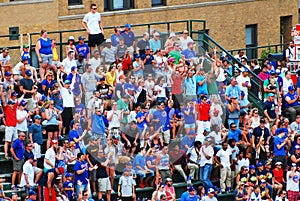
68	64
292	183
242	80
92	20
95	63
208	151
22	126
254	197
97	104
115	120
184	42
224	157
286	84
221	77
68	97
295	127
161	91
28	170
50	155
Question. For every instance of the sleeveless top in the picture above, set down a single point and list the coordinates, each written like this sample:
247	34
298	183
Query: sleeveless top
53	119
46	46
234	114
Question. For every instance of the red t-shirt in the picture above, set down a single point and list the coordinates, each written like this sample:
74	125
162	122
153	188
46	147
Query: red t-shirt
11	115
203	111
278	175
176	86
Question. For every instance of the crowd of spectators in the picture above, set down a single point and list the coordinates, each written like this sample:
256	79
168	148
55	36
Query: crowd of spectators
145	109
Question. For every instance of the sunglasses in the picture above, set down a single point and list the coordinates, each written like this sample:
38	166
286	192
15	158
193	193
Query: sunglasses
95	8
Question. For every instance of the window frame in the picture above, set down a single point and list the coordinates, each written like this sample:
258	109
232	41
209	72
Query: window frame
109	5
162	3
74	2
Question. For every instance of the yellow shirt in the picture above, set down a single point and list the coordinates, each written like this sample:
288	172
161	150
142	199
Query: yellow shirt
110	79
54	54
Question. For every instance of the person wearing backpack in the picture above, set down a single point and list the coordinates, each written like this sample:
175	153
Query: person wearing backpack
288	54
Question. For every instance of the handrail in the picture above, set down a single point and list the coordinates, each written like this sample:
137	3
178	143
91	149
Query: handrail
259	47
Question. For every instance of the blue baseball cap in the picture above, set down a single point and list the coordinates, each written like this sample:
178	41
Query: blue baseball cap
243	93
259	164
23	102
7	73
291	88
73	68
14	94
37	117
31	192
69	175
270	63
128	26
10	102
67	81
251	167
28	72
272	72
192	132
271	94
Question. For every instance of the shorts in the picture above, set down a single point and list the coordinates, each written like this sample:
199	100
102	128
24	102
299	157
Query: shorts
36	170
95	39
17	165
37	151
47	58
165	136
52	128
10	134
189	125
92	175
104	184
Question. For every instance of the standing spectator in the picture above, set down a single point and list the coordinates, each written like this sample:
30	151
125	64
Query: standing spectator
126	188
148	60
269	108
206	163
292	182
68	101
22	117
190	86
232	89
27	87
36	137
17	151
96	124
44	53
93	25
75	137
244	83
10	111
103	178
50	156
129	38
224	160
95	61
83	48
51	115
289	52
203	115
77	86
233	110
27	178
287	82
278	176
163	164
280	142
89	82
185	39
291	103
68	63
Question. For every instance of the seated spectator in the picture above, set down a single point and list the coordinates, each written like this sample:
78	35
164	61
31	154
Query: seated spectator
291	102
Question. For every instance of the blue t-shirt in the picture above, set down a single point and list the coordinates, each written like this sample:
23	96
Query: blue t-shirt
139	115
188	54
162	116
74	134
84	49
130	88
128	38
79	108
19	148
76	87
139	160
201	89
47	84
85	175
233	91
68	184
115	40
98	124
281	151
26	56
234	134
189	119
36	131
46	46
186	141
184	196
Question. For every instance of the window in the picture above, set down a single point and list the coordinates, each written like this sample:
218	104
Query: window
14	32
159	2
74	2
110	5
251	40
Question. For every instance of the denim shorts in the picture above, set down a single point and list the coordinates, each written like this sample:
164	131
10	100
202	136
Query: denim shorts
47	58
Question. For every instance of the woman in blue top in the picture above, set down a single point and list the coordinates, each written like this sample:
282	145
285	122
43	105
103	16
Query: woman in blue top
47	83
43	51
189	116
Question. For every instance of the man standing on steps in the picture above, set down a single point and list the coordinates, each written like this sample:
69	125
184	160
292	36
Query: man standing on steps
17	151
10	111
94	28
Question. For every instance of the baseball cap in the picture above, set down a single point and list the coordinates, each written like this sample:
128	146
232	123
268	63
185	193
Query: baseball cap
259	164
271	94
67	81
297	147
190	43
277	71
168	179
262	181
108	40
81	54
10	102
291	88
127	25
192	132
73	68
262	121
126	170
25	45
251	167
37	117
172	35
7	73
270	63
31	192
272	72
53	142
211	190
102	79
69	175
122	77
23	102
294	165
129	163
81	38
92	138
14	94
207	130
71	38
278	163
191	188
28	72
